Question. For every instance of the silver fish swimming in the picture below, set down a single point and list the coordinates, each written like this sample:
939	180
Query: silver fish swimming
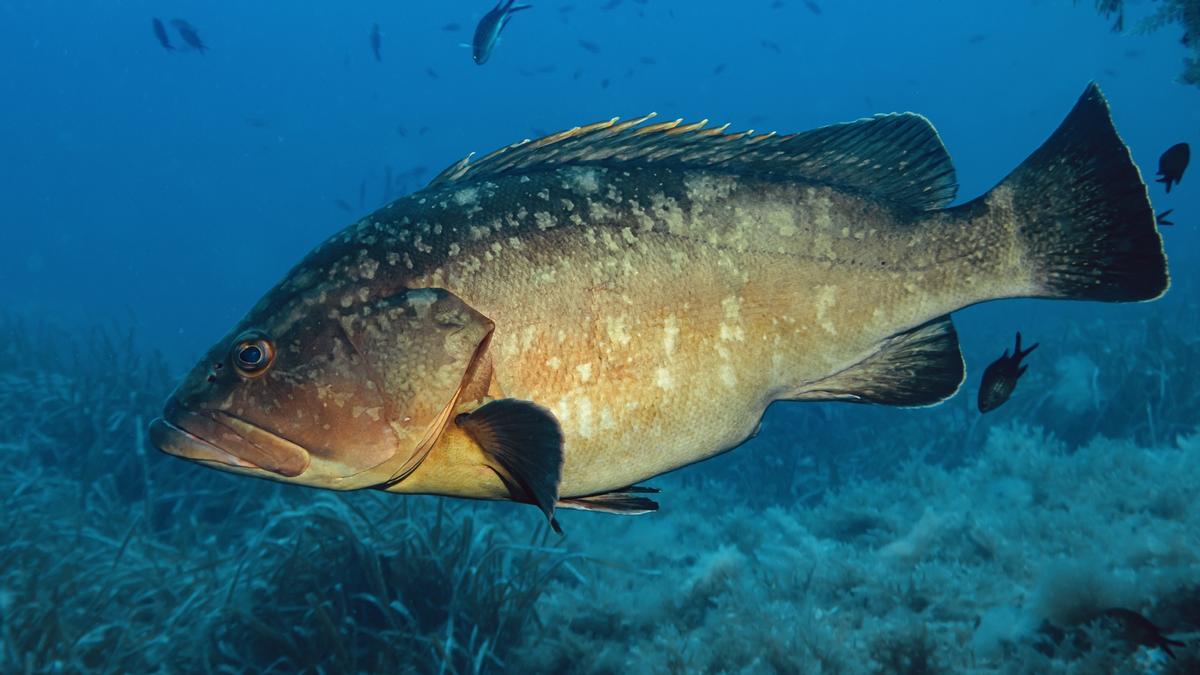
570	316
487	32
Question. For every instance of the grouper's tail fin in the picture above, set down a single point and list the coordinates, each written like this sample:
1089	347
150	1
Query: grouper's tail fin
1083	213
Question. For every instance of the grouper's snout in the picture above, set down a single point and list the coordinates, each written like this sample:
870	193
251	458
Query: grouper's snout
216	437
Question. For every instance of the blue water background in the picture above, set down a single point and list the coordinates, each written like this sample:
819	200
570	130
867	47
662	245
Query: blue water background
170	190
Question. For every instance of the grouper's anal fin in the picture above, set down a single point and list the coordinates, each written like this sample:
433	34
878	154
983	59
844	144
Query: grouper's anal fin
898	158
523	444
922	366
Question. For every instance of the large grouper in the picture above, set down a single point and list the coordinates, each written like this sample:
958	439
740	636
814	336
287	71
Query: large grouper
569	316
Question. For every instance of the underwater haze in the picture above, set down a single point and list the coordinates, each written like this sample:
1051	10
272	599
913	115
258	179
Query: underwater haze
165	164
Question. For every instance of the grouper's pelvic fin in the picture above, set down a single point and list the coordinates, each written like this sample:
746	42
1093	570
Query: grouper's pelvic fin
919	367
897	158
524	444
629	501
1082	210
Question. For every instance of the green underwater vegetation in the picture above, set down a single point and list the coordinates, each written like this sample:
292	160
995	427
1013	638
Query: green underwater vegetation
117	559
1163	13
956	543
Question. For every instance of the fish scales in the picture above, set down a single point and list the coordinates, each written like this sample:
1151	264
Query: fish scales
583	269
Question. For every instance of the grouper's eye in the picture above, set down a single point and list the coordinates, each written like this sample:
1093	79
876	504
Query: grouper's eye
253	354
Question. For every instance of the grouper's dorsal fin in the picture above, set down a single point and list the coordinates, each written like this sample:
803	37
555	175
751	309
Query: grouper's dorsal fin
899	157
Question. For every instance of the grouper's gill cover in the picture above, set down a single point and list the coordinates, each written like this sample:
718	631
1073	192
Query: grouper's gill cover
361	385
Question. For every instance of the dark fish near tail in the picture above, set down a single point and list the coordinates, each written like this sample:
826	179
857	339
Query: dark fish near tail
489	28
1000	378
160	32
1172	164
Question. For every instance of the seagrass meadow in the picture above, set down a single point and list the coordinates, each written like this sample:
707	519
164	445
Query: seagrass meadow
952	543
164	165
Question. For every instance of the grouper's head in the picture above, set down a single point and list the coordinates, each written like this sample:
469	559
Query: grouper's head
340	384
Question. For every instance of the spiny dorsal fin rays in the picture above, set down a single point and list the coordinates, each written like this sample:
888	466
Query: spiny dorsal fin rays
617	129
687	127
512	157
656	128
453	172
898	157
715	131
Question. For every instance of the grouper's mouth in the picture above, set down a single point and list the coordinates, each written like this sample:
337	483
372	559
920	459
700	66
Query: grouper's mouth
215	437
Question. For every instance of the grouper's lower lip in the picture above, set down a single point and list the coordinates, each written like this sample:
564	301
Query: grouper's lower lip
175	441
219	438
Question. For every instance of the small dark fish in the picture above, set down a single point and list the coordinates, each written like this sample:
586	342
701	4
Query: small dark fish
257	122
778	4
160	32
611	4
341	204
1137	629
1172	164
452	27
978	38
773	46
719	69
402	131
376	43
590	46
422	131
604	83
812	7
1161	218
432	73
188	32
488	30
1000	378
647	60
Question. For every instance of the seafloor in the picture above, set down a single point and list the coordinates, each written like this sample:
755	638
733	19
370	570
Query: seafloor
843	539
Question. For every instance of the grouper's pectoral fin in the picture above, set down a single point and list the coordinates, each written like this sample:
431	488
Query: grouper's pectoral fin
625	502
919	367
524	446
